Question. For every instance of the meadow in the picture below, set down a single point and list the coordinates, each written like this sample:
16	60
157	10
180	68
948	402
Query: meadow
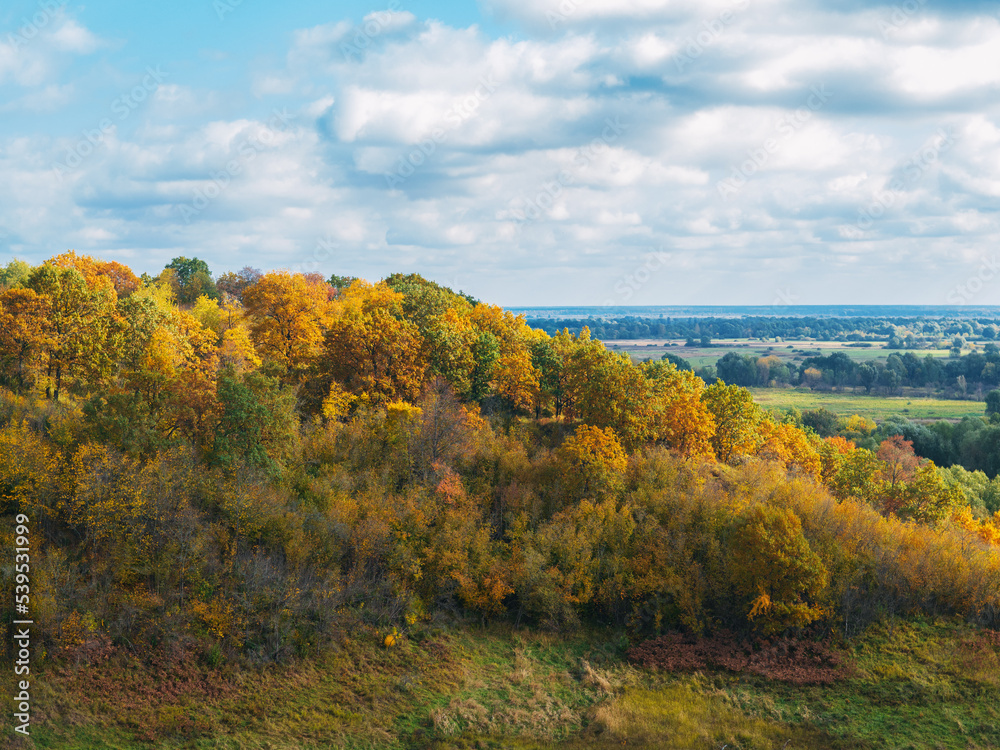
918	683
874	407
789	351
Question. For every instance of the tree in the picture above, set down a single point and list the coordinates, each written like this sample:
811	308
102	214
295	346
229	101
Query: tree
25	329
737	420
121	277
738	369
81	343
234	284
928	498
776	573
899	466
14	274
288	317
194	279
257	416
679	362
790	446
606	390
372	350
857	477
822	421
993	404
592	463
679	419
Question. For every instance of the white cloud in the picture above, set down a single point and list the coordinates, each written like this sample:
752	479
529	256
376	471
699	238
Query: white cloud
568	153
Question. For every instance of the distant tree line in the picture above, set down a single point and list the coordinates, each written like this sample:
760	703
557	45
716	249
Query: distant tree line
898	332
972	372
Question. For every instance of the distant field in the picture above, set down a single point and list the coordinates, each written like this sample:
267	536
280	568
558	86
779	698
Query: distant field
703	356
875	407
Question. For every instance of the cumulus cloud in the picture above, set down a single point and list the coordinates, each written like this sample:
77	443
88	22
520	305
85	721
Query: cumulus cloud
772	150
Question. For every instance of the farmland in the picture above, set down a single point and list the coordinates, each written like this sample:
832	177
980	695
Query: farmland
874	407
789	351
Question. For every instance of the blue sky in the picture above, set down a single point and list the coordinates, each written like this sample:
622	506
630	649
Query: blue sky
531	152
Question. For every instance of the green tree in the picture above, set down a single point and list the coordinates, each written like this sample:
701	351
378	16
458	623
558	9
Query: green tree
193	278
993	405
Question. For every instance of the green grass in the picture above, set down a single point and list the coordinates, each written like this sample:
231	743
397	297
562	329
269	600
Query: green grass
875	407
913	684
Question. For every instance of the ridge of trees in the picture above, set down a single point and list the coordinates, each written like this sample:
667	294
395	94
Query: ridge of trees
262	465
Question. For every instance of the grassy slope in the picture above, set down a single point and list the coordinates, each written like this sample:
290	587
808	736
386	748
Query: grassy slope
915	685
876	407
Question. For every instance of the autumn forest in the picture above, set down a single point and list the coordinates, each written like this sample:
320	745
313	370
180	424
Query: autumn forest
244	466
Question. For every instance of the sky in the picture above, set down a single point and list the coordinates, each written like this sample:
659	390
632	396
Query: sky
528	152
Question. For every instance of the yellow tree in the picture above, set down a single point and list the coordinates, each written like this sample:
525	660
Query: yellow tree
288	316
372	350
592	462
737	420
84	325
449	339
604	389
681	419
789	445
24	328
121	277
775	570
516	380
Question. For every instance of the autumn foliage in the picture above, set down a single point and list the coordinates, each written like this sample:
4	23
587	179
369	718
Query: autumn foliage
255	465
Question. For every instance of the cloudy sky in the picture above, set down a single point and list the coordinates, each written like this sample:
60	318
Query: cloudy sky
531	152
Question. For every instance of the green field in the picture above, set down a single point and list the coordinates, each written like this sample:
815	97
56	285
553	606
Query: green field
875	407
